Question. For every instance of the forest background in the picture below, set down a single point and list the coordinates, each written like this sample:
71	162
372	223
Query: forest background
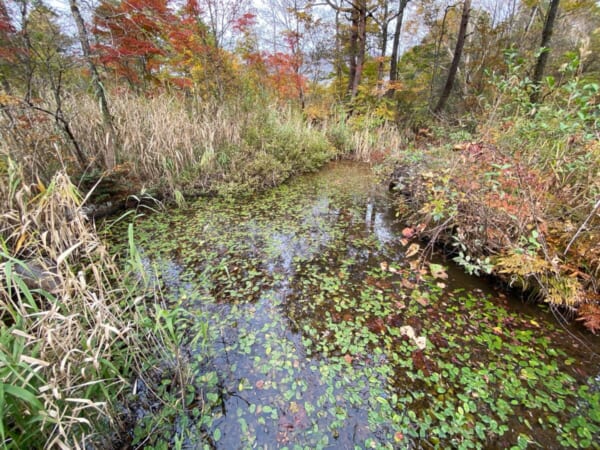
483	113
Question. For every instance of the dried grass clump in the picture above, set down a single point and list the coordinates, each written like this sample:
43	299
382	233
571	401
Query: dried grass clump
187	144
363	138
65	332
162	136
374	145
167	143
32	137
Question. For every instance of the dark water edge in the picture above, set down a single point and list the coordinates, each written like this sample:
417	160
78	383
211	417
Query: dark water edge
322	333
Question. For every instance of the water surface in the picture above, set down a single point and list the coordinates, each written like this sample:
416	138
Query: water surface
323	333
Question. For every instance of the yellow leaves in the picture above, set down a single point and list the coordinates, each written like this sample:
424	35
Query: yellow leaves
8	100
316	112
20	242
559	290
41	187
564	291
522	264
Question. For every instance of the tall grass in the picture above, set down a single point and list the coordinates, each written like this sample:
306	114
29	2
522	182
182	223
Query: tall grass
366	138
172	143
176	144
71	325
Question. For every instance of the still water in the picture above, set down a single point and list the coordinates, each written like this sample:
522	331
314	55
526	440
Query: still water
322	328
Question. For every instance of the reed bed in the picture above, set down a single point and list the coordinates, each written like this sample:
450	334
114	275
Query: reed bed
70	339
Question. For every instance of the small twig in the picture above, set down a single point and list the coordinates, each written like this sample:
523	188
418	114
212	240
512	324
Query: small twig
583	225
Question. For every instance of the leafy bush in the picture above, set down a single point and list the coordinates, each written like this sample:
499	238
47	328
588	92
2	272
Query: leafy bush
521	199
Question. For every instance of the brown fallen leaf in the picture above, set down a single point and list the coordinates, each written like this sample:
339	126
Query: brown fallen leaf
348	358
412	250
407	284
408	232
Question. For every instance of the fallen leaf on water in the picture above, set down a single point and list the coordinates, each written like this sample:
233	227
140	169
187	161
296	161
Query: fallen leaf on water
376	325
438	271
414	264
393	269
407	284
260	384
407	330
412	250
408	232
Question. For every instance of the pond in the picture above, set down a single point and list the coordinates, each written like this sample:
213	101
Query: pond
325	330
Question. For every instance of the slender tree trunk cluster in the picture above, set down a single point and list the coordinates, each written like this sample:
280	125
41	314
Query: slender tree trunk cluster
396	42
359	13
460	43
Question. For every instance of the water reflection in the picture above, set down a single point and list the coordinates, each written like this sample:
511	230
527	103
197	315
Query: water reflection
305	291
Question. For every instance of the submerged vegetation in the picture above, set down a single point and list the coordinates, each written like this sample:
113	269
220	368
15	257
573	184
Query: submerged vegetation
292	312
324	331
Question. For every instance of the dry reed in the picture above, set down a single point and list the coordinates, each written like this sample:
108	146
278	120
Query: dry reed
65	330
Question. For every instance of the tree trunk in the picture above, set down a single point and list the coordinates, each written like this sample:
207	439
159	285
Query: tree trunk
359	12
384	38
544	51
110	158
396	43
460	42
361	44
